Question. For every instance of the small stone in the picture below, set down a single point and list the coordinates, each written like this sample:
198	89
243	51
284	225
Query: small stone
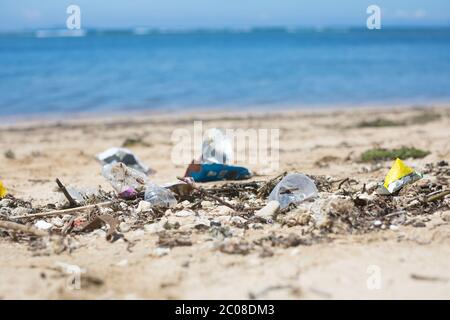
184	213
446	216
269	211
256	226
43	225
155	227
377	223
238	220
57	222
393	227
144	206
124	227
371	186
419	224
98	233
207	204
183	204
215	223
222	211
203	222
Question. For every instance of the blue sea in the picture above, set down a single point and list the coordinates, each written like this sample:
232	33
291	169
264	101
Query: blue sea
55	72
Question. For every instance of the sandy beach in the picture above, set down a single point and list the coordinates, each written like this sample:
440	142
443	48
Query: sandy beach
410	260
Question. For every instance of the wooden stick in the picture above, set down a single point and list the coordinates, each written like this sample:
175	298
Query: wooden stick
66	193
438	196
23	228
64	211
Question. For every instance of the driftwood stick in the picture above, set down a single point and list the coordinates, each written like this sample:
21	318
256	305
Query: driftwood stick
438	196
64	211
66	193
22	228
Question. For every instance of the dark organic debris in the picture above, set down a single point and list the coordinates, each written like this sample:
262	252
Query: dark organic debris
175	239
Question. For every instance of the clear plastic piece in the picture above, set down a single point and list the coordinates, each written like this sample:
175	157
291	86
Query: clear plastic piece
159	196
126	181
294	188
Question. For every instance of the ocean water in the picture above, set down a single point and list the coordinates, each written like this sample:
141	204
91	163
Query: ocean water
109	71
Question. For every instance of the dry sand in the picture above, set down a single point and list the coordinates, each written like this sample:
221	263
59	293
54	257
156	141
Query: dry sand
411	262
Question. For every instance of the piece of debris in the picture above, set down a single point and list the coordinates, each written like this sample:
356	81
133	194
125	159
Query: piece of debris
125	156
213	165
98	221
144	207
158	196
204	172
398	176
3	190
268	213
22	228
43	225
9	154
126	181
232	247
293	188
170	240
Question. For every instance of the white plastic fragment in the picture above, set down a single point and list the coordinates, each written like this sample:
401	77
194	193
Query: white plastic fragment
43	225
269	211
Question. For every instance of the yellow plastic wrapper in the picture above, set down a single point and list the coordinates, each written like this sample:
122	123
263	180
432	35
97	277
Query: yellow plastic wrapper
3	190
399	175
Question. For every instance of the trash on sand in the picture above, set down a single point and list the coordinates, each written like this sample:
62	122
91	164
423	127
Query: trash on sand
398	176
16	227
81	195
216	147
127	182
181	188
115	155
3	190
159	196
43	225
216	171
213	164
98	221
293	188
269	211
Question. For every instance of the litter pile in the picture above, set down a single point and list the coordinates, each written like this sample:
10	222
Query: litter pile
307	208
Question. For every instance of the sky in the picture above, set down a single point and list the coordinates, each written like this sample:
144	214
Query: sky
188	14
